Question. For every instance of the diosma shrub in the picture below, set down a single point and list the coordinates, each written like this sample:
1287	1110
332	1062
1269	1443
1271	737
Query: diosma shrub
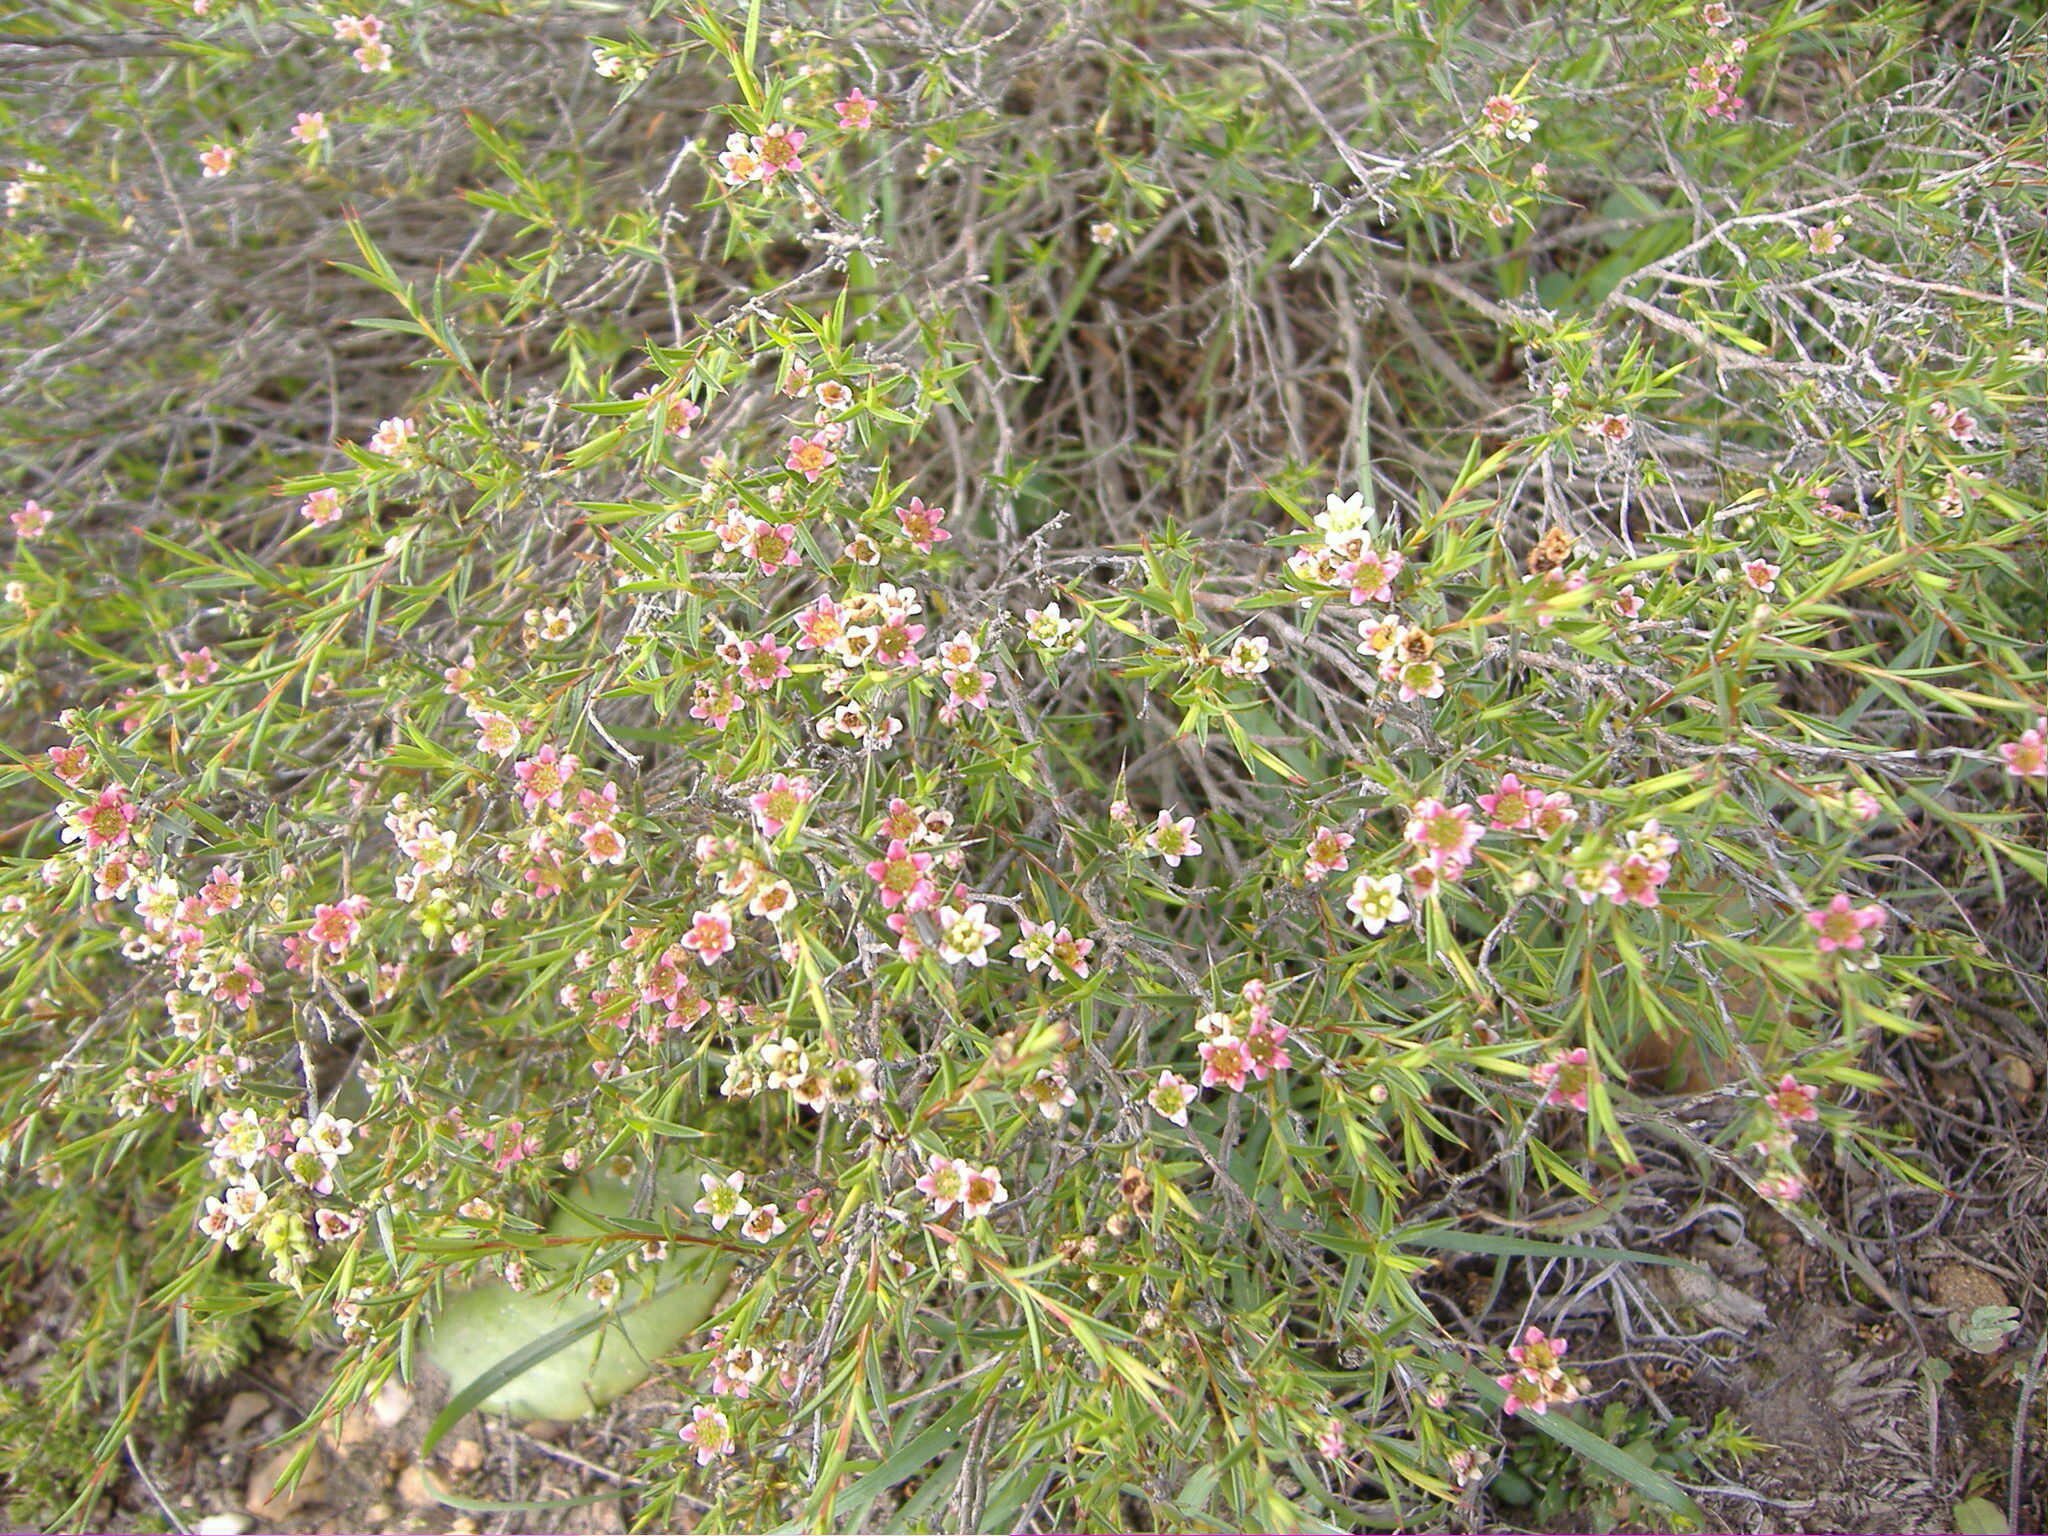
1134	668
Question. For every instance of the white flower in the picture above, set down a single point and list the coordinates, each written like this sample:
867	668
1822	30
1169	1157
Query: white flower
966	935
1375	900
722	1200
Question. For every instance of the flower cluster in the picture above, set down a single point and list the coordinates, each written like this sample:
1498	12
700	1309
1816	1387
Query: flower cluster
1539	1381
1243	1042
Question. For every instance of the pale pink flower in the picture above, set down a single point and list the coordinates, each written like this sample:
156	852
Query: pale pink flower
1781	1188
772	546
710	934
709	1434
981	1191
809	457
1615	428
1792	1101
922	525
311	128
107	822
766	664
1172	1096
1444	835
1566	1078
543	777
1049	1093
1225	1062
857	111
1327	848
1173	840
1265	1049
902	876
1838	925
779	149
337	925
2027	758
1635	878
944	1183
1511	806
1760	575
32	521
216	160
393	436
780	803
322	507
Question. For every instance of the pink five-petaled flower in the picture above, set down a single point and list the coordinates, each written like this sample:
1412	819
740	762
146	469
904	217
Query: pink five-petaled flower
1173	840
780	150
809	457
1539	1355
602	843
820	625
1172	1096
709	1433
772	546
902	876
944	1183
713	702
1841	926
70	763
311	128
981	1190
1371	576
1326	850
1792	1101
2026	758
780	803
766	664
1512	805
710	936
107	821
31	521
1781	1188
322	507
1760	575
337	925
1540	1380
216	160
1445	835
1635	878
1265	1049
393	436
1225	1061
922	525
1566	1078
543	776
857	111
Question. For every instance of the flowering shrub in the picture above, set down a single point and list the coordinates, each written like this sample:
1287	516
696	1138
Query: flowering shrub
1121	856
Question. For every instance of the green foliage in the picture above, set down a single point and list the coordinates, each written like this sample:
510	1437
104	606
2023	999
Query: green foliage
1238	656
1551	1489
